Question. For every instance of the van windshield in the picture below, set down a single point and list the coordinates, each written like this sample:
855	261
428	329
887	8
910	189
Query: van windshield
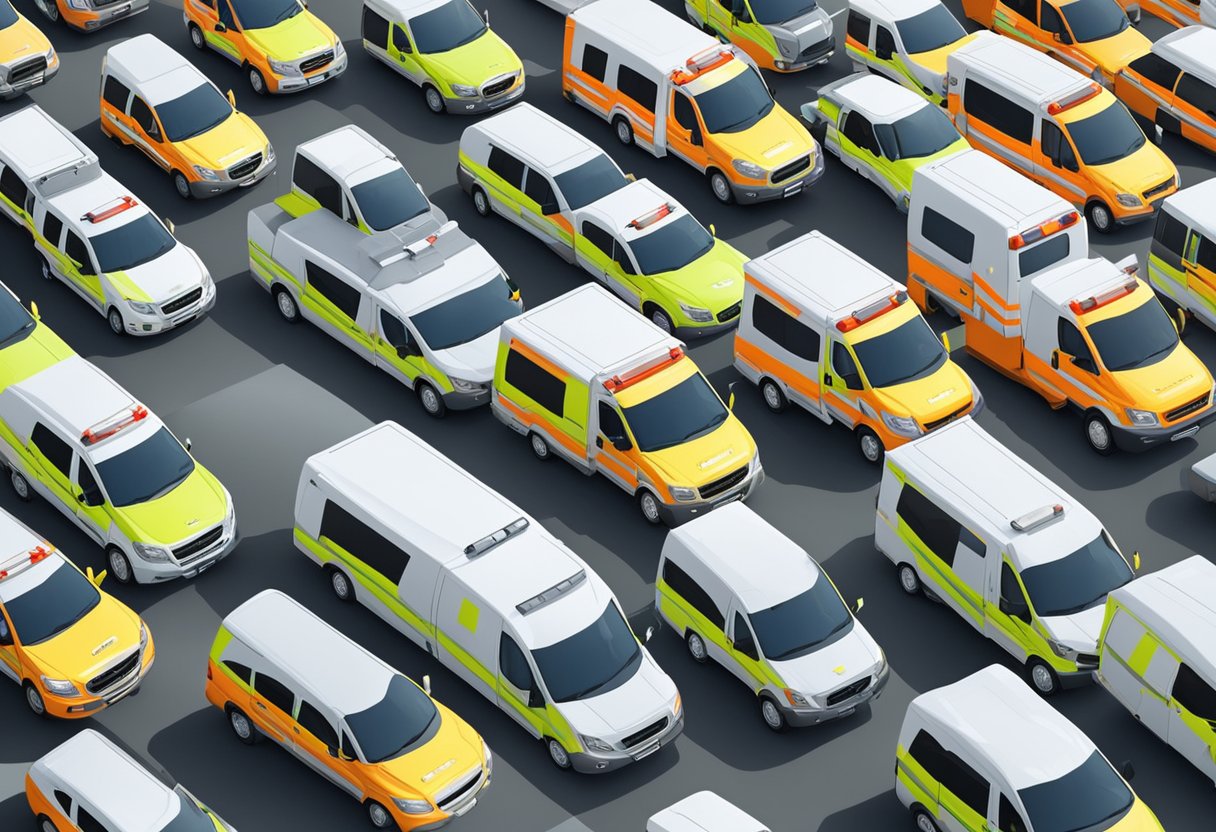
592	180
451	25
906	353
389	200
8	15
153	467
772	12
262	14
1107	136
798	626
405	718
677	415
929	30
468	316
190	818
1134	339
736	105
15	322
671	247
1092	20
1077	581
923	133
601	657
140	241
45	611
1090	798
194	113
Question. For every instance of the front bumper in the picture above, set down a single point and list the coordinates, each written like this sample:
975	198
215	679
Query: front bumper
811	56
804	717
466	401
1131	216
473	106
152	572
8	90
203	188
79	707
750	194
674	514
295	83
1083	675
596	762
94	19
466	804
1135	440
138	324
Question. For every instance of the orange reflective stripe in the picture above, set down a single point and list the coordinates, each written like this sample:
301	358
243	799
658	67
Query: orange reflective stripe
609	455
996	296
845	404
42	806
532	355
561	222
531	419
992	311
1078	395
849	40
945	282
764	362
774	296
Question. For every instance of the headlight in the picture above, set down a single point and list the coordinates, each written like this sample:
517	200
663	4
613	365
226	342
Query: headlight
796	699
1142	418
594	743
677	707
60	687
80	4
151	553
51	57
683	494
143	635
465	386
208	283
230	517
749	169
339	50
903	425
945	86
412	807
141	307
269	154
487	757
1063	651
464	90
696	313
283	68
1128	200
207	173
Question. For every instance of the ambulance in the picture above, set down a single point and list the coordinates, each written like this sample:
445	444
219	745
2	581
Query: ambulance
1009	258
93	234
738	591
971	525
89	783
27	346
1182	254
637	240
73	649
1182	13
881	130
985	754
1094	37
703	811
277	670
1058	128
671	88
279	45
594	383
471	579
448	50
72	436
1174	86
1158	656
27	58
907	41
156	101
90	15
826	330
781	35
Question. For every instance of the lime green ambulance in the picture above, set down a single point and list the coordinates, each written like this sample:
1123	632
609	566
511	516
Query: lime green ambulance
882	131
781	35
448	50
27	346
1182	253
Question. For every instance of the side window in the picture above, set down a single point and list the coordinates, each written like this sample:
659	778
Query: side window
1070	340
859	131
513	664
375	28
274	692
744	642
1199	94
1170	232
142	114
785	330
611	425
884	43
1056	146
538	189
951	772
1152	67
225	14
1194	694
401	41
692	592
52	229
318	184
1008	819
86	480
1011	590
1206	258
315	723
74	248
56	451
845	367
998	112
365	543
115	93
597	236
1049	19
65	802
535	382
683	111
595	62
12	187
241	671
1026	8
393	330
948	235
858	28
620	255
87	822
507	166
936	529
642	90
337	291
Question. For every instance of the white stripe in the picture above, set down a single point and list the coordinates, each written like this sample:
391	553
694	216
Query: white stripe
842	11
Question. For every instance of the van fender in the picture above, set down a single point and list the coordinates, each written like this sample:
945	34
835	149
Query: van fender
336	565
634	122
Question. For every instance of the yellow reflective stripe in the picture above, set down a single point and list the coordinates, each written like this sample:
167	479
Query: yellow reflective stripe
127	287
222	639
1142	655
956	589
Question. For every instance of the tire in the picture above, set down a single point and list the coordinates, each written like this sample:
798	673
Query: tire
33	699
481	202
289	310
540	447
557	754
50	9
196	37
772	716
1041	677
45	824
432	403
774	397
117	325
624	130
119	565
256	81
696	648
379	816
909	581
242	726
720	186
657	316
434	101
923	821
341	586
21	486
1098	433
181	184
649	505
1100	217
870	445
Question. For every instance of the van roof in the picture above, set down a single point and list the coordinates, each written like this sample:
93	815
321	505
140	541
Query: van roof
703	811
107	778
589	332
345	151
995	190
17	541
1023	72
878	98
36	144
1191	50
893	10
759	563
634	201
96	193
544	141
1178	603
822	276
75	393
1078	279
405	9
158	70
997	718
1196	204
646	31
335	669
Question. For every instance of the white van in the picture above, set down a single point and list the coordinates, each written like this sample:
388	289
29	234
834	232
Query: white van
790	637
1158	656
965	519
473	580
704	811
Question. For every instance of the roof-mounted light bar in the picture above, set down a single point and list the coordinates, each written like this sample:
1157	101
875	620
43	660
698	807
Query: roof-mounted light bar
1069	101
619	382
485	544
1089	304
705	60
552	593
1034	519
419	246
110	209
107	428
651	217
869	313
1042	230
29	559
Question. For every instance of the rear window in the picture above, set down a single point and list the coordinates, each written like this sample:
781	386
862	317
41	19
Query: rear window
642	90
1157	69
1047	253
595	62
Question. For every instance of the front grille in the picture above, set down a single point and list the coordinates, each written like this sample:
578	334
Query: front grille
792	169
113	674
101	3
498	87
243	168
27	70
1188	408
461	790
1087	658
937	423
848	691
816	50
195	547
182	302
649	732
316	61
730	312
1159	189
728	482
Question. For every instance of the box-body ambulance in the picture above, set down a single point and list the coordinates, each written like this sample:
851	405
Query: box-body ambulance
703	811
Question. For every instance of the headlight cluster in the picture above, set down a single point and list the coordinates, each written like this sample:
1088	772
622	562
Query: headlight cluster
461	385
487	757
207	173
797	699
697	313
1143	418
143	636
595	743
902	425
284	68
60	687
1062	650
464	90
142	307
682	493
1128	200
151	553
749	169
339	50
411	806
82	5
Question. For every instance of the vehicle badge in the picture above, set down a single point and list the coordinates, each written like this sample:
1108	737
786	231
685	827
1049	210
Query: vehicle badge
839	671
430	775
193	522
105	645
940	396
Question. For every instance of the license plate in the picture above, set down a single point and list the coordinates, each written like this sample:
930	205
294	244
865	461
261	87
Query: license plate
729	499
204	567
847	712
461	811
121	12
646	752
1184	434
316	79
793	189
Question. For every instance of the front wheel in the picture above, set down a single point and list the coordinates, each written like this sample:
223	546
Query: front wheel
773	395
21	486
558	755
378	815
45	824
114	318
241	726
181	184
289	310
869	444
661	319
341	585
772	715
33	698
257	81
909	581
481	202
720	185
434	101
696	648
196	37
120	566
431	401
1100	216
50	8
649	506
624	130
1098	434
1042	677
923	822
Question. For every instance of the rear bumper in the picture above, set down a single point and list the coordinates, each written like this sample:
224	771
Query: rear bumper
1135	441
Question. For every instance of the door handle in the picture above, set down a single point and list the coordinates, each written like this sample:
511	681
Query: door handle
827	380
295	728
260	705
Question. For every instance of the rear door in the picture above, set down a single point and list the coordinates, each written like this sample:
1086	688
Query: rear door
467	632
792	340
273	706
619	464
1199	263
335	303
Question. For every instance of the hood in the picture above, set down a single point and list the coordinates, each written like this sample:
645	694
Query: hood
771	142
934	61
472	361
904	173
931	398
1113	53
236	138
32	354
292	39
1138	172
633	705
195	505
1139	819
1177	379
1080	630
843	661
476	62
22	40
174	272
111	629
714	281
805	30
451	753
706	458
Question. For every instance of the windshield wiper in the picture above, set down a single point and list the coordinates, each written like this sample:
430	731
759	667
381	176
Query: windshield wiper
67	625
291	11
26	327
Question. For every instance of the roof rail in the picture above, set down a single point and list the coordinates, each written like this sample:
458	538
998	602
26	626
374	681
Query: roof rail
1033	519
552	593
485	544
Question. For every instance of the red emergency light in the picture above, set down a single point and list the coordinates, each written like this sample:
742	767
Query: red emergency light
104	430
700	63
652	217
619	382
1046	229
110	209
1057	107
869	313
1080	307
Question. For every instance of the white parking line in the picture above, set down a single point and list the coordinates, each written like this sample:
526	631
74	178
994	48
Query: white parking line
841	11
571	825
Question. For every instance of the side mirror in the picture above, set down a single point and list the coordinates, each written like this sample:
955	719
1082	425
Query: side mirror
169	225
95	578
1180	320
6	637
549	208
486	16
1136	561
861	602
713	231
1127	770
535	699
622	443
34	311
882	53
730	401
333	751
1056	37
694	136
232	99
649	635
1055	359
946	341
629	177
407	351
1015	608
1086	364
92	497
187	443
220	27
426	684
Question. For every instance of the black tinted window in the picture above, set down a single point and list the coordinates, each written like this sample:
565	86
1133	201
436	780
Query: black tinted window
375	28
393	331
1194	694
1026	8
1070	340
451	25
403	720
56	451
844	366
1157	69
151	469
507	166
683	110
535	382
1091	795
595	62
742	637
74	248
642	90
1199	94
366	544
672	246
883	40
390	200
1079	581
241	671
948	769
142	114
88	823
1206	255
857	129
1008	819
1138	338
859	28
1170	232
1041	255
15	322
198	111
679	414
274	692
597	659
929	30
693	593
590	181
611	424
401	40
315	723
13	188
1107	136
52	228
1051	20
331	287
922	133
785	330
538	189
799	625
936	529
318	184
513	664
140	241
597	236
948	235
998	112
51	607
63	800
467	316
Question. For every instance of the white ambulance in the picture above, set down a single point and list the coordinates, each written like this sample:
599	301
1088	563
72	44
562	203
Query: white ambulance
704	811
473	580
